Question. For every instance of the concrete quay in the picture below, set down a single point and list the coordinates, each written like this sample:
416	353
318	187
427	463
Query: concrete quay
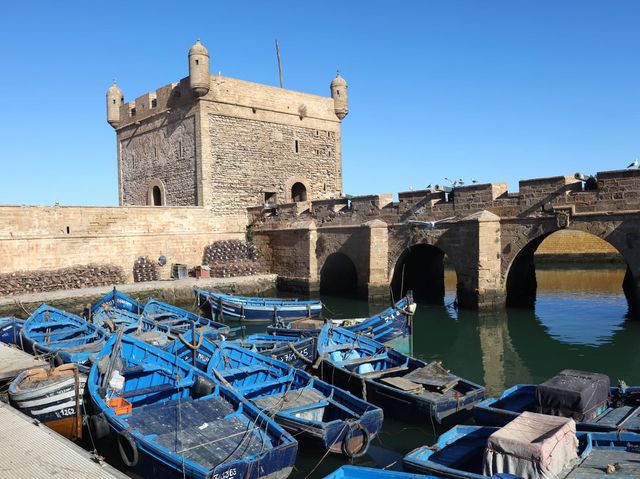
74	300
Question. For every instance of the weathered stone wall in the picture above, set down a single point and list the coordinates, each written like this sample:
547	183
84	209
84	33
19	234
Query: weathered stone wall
161	152
35	238
251	157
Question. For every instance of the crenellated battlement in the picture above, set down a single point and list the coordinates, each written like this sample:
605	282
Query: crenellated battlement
615	191
153	103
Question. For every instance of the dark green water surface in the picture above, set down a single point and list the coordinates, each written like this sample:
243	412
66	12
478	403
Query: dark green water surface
578	322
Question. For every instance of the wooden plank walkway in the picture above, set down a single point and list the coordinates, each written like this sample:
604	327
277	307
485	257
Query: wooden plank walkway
13	361
35	451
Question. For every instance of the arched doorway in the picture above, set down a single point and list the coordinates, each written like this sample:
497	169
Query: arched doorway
157	196
426	270
339	276
565	259
298	192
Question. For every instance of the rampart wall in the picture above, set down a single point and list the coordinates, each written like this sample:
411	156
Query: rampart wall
35	238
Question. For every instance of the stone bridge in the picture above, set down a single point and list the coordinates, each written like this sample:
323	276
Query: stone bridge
370	244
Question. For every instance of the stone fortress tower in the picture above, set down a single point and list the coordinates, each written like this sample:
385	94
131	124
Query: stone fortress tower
227	144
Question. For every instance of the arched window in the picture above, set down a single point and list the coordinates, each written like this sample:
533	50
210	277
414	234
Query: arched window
156	193
157	196
298	192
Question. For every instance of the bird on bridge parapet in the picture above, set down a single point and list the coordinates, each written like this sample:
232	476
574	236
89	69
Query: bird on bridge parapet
633	164
429	224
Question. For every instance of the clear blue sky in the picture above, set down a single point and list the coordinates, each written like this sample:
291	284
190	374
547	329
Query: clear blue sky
492	90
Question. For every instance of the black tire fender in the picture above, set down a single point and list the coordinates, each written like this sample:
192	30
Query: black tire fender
98	426
366	440
127	449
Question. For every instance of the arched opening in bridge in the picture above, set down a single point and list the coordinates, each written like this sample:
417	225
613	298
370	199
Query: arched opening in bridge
425	270
298	192
339	276
567	262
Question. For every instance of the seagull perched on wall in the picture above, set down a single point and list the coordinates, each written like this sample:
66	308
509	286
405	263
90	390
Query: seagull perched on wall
429	224
633	164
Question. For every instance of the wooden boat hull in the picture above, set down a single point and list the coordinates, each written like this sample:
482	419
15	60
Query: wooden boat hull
596	451
53	397
497	412
10	328
258	310
359	472
70	338
296	352
181	421
392	323
405	387
396	403
115	299
175	321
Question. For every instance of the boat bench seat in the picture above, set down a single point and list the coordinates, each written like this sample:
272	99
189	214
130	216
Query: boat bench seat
366	359
145	368
340	347
244	370
156	389
382	372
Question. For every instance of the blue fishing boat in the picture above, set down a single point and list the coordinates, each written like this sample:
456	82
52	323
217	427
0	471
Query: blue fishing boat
307	407
66	336
117	300
403	386
176	321
385	326
586	397
298	352
253	309
10	328
172	420
533	449
359	472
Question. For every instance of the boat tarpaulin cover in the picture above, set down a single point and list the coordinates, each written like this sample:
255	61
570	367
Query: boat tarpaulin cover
533	445
574	394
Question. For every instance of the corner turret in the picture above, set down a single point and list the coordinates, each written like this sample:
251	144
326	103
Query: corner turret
199	78
339	95
114	100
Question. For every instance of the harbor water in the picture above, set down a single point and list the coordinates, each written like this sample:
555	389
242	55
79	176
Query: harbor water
579	322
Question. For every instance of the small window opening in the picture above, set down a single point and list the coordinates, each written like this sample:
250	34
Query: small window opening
269	199
133	112
157	196
253	110
317	133
122	100
297	147
197	62
338	92
329	153
114	101
154	103
298	192
68	230
324	186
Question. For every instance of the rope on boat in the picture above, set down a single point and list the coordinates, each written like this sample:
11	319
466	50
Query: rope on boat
19	303
298	354
194	346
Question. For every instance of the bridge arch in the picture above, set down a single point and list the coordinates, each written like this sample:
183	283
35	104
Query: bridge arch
339	276
421	268
520	273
